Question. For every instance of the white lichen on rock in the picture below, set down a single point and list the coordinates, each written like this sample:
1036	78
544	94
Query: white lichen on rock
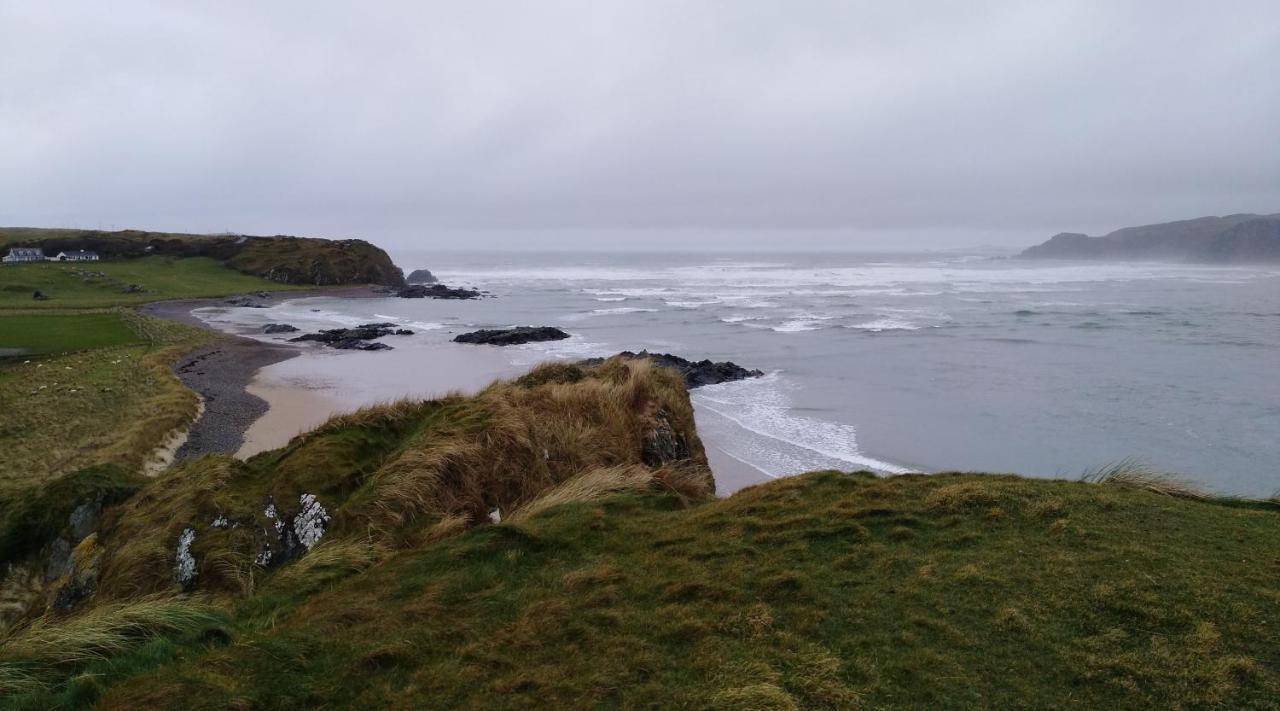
221	522
184	568
310	522
495	516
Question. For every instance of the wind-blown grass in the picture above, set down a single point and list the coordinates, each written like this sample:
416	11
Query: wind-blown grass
46	650
1137	474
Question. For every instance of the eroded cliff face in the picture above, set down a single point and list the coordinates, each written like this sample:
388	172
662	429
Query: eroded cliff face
284	259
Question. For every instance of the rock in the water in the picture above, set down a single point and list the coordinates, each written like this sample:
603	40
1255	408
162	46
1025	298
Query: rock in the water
247	302
696	374
512	336
279	328
436	291
420	276
359	338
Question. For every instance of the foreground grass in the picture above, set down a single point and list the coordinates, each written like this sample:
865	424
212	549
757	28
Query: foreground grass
98	284
821	591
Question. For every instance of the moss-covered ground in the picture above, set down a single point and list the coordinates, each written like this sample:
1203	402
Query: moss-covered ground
826	590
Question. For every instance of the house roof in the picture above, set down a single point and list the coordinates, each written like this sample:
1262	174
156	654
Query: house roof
79	253
26	252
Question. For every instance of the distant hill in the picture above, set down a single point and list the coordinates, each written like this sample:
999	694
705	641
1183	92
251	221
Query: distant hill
283	259
1231	239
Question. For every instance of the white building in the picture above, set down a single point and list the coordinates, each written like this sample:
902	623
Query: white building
23	254
79	255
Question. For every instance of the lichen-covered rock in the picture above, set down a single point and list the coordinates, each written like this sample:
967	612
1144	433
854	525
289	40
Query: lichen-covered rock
184	567
310	523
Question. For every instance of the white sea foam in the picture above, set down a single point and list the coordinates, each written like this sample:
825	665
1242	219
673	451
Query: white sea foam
611	298
760	406
623	310
887	324
797	325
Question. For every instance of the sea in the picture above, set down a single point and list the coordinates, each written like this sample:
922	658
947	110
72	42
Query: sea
920	362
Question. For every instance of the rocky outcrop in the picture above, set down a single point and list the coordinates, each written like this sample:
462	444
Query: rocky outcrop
421	276
696	374
358	338
1232	239
246	302
279	328
512	336
436	291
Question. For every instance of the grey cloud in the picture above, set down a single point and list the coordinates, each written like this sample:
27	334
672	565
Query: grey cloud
871	123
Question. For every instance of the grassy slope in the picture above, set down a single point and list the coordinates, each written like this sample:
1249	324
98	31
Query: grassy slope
78	286
111	404
821	591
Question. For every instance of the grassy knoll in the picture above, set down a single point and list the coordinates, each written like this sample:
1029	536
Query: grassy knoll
98	284
613	583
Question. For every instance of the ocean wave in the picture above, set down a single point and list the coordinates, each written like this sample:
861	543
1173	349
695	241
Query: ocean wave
760	406
886	324
611	298
798	325
623	310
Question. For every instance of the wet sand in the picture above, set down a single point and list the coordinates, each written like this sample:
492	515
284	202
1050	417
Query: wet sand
305	391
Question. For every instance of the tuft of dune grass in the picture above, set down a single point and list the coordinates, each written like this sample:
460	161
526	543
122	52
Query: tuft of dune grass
48	649
1136	474
591	485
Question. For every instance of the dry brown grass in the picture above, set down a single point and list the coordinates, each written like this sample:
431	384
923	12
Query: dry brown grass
511	443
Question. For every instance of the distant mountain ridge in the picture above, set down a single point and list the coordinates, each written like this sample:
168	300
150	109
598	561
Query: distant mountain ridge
1231	239
280	258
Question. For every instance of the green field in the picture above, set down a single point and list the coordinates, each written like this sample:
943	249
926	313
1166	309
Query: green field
46	334
98	284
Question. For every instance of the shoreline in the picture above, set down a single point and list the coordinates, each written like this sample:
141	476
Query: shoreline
258	395
220	373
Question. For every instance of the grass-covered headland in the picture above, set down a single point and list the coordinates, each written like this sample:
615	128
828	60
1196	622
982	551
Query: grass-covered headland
555	542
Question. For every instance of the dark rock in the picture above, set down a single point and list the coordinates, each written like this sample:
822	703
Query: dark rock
134	289
39	295
357	338
663	444
696	374
353	344
247	302
512	336
279	328
421	276
436	291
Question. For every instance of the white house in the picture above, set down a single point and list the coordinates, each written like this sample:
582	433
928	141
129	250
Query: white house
79	255
23	254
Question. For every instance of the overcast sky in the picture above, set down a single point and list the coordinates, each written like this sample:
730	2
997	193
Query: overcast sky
786	123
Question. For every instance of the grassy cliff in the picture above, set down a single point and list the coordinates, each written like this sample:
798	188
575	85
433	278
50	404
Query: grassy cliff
280	259
554	541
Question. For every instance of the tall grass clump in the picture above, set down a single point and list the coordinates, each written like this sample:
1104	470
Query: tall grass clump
1137	474
37	655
